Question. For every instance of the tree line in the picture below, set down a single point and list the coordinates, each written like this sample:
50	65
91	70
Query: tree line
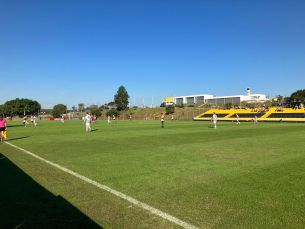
298	96
120	99
28	106
20	107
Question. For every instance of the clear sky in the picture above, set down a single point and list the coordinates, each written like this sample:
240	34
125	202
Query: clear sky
67	51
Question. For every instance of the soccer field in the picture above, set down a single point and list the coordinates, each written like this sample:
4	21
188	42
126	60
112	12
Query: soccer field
236	176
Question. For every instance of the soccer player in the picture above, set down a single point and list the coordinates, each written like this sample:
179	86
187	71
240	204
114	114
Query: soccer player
162	120
32	120
24	121
215	119
87	119
255	120
3	127
92	119
63	119
113	117
172	118
237	119
130	117
35	120
109	119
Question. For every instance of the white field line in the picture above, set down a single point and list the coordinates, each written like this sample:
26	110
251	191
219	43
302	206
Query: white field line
128	198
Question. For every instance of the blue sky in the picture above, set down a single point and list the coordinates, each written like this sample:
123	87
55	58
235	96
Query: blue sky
65	51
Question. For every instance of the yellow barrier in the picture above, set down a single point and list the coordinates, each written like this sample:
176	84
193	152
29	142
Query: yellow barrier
264	117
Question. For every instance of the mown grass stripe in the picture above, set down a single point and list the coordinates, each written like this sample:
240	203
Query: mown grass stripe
119	194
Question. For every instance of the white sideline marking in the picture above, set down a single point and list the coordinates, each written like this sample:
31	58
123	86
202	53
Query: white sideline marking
128	198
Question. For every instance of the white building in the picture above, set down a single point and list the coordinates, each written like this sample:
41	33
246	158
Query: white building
254	98
204	98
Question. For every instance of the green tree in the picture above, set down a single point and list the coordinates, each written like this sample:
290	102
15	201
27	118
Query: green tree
298	96
20	107
80	106
121	98
113	112
58	110
289	100
279	98
163	104
170	109
56	113
96	112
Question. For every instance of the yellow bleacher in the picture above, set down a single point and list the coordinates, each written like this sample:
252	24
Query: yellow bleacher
274	115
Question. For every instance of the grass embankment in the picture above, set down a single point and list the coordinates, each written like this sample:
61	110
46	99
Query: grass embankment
181	114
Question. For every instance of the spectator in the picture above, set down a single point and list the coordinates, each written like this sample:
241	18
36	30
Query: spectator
3	127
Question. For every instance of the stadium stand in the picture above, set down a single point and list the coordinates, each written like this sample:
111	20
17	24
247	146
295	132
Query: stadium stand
273	114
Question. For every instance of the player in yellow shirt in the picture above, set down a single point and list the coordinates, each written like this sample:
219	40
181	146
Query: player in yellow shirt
113	117
24	121
32	120
162	120
172	118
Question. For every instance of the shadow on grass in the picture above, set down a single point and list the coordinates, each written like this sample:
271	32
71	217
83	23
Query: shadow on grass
8	126
26	204
94	130
12	139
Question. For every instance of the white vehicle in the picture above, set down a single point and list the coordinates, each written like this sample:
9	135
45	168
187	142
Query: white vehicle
169	103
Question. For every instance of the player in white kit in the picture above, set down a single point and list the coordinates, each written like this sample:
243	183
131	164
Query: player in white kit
35	120
237	119
109	119
215	119
62	119
87	119
255	120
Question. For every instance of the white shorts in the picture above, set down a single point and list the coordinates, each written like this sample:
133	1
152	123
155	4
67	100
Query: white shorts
87	126
162	119
215	122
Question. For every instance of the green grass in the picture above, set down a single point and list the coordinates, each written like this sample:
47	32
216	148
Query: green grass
235	176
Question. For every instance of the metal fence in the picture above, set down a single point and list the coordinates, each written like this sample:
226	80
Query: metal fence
187	114
144	102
